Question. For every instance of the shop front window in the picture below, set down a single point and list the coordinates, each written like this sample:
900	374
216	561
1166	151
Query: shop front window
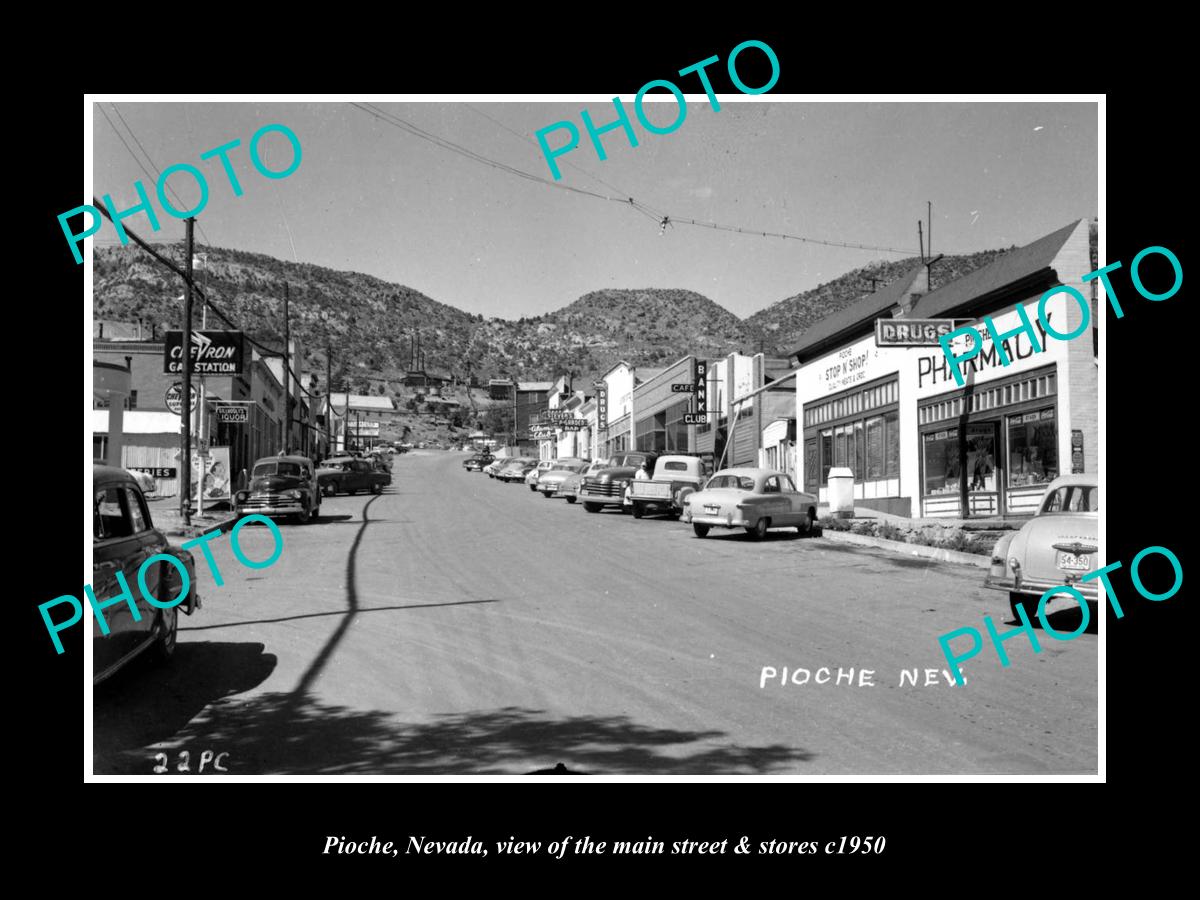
826	454
875	462
860	451
1032	448
942	460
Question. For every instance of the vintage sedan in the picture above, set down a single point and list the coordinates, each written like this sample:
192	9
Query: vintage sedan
608	486
516	468
123	537
540	469
1055	548
569	488
345	475
281	486
550	479
754	499
476	463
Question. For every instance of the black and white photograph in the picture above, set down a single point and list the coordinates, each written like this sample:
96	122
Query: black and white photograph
702	432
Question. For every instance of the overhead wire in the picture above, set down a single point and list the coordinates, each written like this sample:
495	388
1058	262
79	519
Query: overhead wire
659	216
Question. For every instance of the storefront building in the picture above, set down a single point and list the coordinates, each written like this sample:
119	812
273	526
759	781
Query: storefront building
661	408
920	445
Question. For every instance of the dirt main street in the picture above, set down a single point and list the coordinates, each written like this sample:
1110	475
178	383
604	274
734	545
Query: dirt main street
457	625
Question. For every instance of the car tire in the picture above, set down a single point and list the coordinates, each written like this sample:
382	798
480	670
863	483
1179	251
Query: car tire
533	487
701	530
638	511
329	489
571	499
548	495
304	518
591	507
164	647
1015	599
377	488
758	530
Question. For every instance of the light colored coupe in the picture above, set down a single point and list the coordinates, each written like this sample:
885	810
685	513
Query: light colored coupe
551	479
1056	547
754	499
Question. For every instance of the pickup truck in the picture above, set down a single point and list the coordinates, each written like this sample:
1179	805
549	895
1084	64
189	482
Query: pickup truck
675	477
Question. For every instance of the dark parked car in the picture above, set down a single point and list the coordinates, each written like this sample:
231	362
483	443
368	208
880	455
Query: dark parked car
123	537
341	475
281	486
476	463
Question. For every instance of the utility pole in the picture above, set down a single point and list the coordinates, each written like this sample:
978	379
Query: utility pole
287	374
185	406
921	240
328	393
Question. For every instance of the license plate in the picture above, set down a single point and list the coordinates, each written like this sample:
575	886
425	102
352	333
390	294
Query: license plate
712	510
1082	562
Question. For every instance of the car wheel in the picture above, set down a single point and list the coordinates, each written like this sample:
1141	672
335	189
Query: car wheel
548	495
758	530
571	499
329	489
591	507
532	487
1014	600
701	530
304	517
164	647
316	513
377	488
638	512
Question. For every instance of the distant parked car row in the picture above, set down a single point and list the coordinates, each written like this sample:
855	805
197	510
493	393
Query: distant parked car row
680	486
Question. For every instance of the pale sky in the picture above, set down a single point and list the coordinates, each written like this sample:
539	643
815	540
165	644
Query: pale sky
372	198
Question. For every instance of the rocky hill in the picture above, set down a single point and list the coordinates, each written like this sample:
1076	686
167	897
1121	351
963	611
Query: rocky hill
369	322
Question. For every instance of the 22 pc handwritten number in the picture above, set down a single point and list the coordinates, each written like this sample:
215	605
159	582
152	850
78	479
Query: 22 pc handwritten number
185	759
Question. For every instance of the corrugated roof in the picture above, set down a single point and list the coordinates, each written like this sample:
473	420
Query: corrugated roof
362	401
1013	266
535	385
869	308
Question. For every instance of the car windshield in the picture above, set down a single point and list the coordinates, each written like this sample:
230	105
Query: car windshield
734	482
1073	498
277	468
564	467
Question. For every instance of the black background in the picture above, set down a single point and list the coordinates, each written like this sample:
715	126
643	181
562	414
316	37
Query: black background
970	832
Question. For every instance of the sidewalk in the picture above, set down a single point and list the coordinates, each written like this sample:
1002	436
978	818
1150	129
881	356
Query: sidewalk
164	511
962	541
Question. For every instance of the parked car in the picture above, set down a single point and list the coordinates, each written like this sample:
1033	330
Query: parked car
145	481
123	537
1055	548
550	479
754	499
345	475
674	479
496	465
476	463
606	487
569	488
516	468
281	486
532	476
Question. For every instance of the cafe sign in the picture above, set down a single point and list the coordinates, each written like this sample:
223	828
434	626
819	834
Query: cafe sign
212	352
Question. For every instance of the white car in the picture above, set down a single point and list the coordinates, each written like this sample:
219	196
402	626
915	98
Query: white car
754	499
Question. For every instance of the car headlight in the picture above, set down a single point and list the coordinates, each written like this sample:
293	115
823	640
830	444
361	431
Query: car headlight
242	496
291	495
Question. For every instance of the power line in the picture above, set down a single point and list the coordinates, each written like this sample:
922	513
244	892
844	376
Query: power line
149	159
659	216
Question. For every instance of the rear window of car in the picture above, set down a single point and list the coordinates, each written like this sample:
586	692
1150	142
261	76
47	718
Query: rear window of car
736	482
109	519
1073	498
675	466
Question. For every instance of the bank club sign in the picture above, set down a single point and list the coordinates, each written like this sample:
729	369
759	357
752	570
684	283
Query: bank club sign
213	353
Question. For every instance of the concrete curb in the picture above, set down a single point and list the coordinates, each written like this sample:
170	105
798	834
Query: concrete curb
939	554
221	525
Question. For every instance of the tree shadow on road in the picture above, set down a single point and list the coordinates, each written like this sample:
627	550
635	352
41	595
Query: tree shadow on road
278	733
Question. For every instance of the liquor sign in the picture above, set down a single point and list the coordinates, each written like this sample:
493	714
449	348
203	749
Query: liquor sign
911	332
238	414
700	387
695	418
212	352
173	398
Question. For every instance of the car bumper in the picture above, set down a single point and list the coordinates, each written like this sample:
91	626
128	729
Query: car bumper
1036	588
601	499
727	521
278	509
